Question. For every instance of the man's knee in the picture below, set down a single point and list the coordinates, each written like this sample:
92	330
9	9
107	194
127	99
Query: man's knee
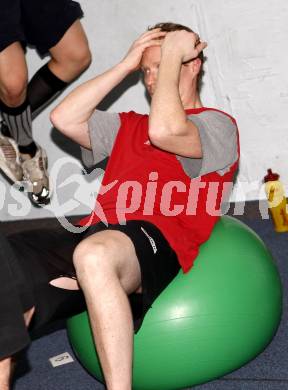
74	57
81	57
94	259
106	257
13	89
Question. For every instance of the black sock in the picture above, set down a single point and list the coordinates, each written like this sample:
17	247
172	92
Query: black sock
4	129
19	122
43	87
30	149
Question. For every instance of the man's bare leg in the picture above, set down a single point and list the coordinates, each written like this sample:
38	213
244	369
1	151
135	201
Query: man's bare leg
7	364
71	55
13	75
107	270
5	373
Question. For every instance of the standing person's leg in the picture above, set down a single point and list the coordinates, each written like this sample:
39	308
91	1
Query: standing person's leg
13	82
70	55
52	27
69	58
55	27
16	112
14	105
14	109
16	127
13	75
13	72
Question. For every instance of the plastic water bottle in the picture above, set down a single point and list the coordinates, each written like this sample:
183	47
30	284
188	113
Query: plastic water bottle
276	201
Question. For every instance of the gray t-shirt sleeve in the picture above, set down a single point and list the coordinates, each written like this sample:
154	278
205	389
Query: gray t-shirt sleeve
218	136
103	127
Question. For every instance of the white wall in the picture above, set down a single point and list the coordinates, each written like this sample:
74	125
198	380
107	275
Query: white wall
246	75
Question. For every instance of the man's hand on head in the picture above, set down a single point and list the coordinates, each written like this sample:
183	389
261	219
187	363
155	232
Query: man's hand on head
186	45
149	38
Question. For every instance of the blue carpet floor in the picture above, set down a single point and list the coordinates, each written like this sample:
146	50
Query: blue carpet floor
269	371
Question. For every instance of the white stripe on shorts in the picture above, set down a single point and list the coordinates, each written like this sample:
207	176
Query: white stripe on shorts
152	242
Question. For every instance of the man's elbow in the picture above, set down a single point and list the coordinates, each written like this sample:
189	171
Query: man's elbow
161	136
58	120
158	133
153	132
55	117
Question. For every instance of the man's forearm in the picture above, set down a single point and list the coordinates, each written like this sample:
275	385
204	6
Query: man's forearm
77	107
167	114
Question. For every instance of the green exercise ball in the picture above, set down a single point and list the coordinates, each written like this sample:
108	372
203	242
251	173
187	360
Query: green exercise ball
206	323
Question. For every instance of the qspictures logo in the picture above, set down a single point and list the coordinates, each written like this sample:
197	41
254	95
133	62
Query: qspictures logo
130	197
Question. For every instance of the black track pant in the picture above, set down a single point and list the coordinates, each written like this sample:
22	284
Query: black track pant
28	262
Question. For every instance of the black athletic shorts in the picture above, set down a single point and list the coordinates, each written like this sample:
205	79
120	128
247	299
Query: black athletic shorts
158	262
30	260
41	23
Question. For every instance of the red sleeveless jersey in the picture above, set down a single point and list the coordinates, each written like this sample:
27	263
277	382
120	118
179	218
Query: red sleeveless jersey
142	182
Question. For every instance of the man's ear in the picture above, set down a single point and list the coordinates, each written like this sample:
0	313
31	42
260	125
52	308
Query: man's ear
196	64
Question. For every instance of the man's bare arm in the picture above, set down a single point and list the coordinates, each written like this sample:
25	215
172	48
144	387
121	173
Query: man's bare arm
169	128
72	114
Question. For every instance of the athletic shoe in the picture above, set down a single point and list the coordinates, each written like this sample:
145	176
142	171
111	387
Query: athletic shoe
10	163
36	176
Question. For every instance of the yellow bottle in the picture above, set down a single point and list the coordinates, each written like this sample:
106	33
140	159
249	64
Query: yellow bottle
276	201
